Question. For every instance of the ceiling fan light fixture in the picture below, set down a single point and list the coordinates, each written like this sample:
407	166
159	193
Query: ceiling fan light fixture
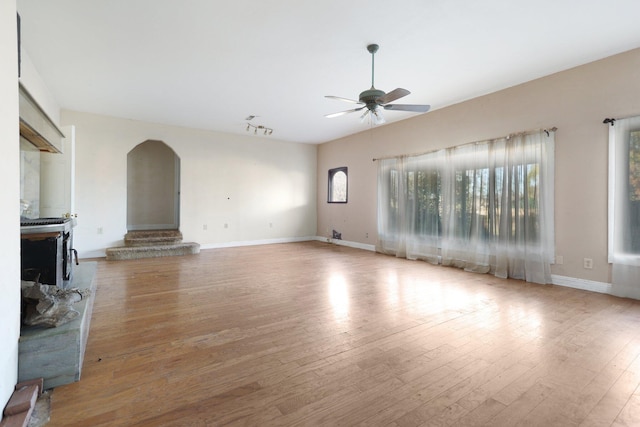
378	118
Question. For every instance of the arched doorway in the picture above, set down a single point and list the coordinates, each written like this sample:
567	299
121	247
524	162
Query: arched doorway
153	187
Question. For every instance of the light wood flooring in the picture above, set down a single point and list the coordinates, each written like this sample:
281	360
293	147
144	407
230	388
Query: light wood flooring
316	334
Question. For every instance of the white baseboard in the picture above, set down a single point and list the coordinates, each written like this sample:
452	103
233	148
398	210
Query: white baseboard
570	282
341	242
586	285
256	242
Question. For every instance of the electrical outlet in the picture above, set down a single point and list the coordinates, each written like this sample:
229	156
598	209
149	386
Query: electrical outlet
559	260
100	230
366	235
270	225
226	225
204	227
588	263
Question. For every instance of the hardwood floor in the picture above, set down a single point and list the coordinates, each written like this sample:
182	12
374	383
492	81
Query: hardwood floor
316	334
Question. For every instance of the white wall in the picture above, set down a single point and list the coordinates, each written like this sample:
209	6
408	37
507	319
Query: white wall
9	200
576	101
32	81
262	189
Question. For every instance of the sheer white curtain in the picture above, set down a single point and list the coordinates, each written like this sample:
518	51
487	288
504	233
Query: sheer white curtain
409	220
484	207
624	207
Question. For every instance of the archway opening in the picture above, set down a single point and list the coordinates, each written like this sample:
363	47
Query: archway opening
153	187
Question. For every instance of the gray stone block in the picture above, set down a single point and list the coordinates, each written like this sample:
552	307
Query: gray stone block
56	354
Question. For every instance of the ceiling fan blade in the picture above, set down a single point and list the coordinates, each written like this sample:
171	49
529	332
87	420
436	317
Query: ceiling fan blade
408	107
339	98
392	96
342	113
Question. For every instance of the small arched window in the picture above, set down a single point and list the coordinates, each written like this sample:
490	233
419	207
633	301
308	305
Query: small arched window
337	185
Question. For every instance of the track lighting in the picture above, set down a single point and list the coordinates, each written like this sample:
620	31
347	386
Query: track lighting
265	130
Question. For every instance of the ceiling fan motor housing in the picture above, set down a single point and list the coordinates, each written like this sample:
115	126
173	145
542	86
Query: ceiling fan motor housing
370	96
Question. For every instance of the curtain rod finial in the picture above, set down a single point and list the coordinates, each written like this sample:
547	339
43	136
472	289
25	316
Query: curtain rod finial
611	121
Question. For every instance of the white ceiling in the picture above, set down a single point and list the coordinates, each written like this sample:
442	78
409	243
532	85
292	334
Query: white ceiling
209	64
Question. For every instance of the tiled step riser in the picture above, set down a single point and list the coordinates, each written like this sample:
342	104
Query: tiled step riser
152	244
160	241
139	252
153	238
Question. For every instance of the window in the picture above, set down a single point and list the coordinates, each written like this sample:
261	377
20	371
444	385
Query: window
624	167
634	192
337	185
474	205
485	207
624	206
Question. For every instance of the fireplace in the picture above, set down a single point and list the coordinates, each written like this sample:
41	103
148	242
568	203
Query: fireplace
47	250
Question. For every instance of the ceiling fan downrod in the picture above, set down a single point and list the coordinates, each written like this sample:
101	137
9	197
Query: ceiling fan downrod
372	48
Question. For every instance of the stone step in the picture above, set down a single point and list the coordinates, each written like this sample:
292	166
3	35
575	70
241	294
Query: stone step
152	238
138	252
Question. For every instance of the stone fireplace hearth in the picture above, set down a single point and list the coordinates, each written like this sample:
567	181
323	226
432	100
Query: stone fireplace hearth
56	354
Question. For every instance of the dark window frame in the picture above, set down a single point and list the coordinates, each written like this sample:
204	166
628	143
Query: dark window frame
332	173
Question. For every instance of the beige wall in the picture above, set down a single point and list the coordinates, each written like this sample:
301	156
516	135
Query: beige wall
576	101
9	199
262	189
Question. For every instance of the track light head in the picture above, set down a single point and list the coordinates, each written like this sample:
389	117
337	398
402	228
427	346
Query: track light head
265	130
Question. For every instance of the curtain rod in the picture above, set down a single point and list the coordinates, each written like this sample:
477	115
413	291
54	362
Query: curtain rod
612	120
553	129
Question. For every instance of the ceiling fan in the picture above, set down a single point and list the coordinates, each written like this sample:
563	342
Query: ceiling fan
375	100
